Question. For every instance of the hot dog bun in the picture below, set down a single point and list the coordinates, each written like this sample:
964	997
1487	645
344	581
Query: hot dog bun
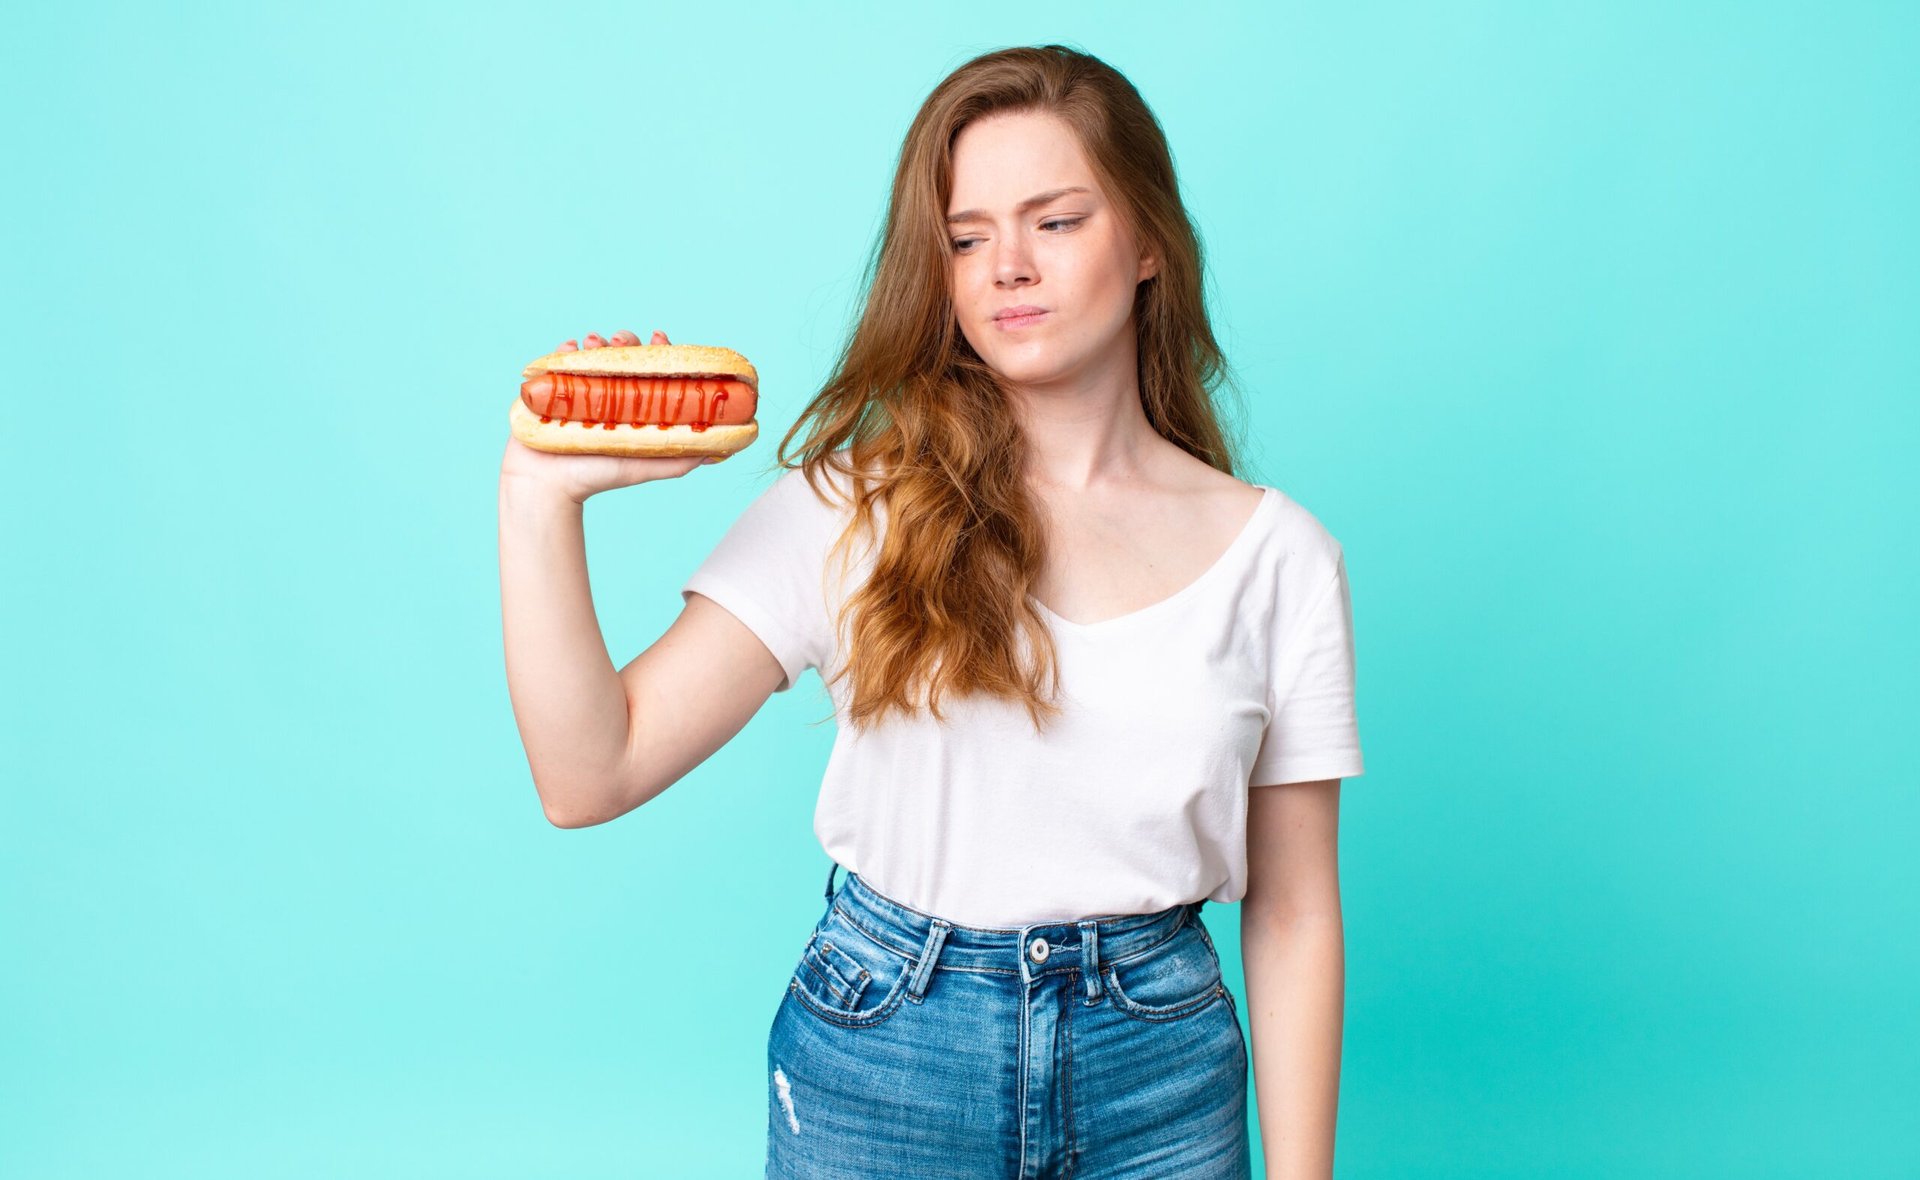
649	360
683	433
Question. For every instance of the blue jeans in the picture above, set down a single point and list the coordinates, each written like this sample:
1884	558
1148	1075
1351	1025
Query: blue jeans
909	1046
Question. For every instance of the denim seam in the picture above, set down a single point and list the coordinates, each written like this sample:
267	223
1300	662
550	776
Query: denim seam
1140	1011
846	991
1156	1015
913	955
873	938
887	1007
838	994
1131	955
1066	1017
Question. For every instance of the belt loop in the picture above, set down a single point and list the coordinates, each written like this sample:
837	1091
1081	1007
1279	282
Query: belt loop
1090	958
929	954
830	872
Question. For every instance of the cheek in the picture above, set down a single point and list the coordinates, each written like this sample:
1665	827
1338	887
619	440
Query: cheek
1102	268
1105	287
970	285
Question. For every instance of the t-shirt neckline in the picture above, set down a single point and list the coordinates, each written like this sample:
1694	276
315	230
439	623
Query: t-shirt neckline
1269	496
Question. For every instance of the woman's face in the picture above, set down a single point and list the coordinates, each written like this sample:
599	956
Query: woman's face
1068	254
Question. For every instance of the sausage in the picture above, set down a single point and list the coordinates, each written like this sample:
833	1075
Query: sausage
661	401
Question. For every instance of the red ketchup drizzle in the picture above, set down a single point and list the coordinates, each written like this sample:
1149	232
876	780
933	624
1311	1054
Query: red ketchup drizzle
609	401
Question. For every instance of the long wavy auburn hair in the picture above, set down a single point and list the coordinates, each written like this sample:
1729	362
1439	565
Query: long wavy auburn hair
915	419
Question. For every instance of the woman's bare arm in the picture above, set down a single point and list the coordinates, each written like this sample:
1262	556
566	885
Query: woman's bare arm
599	742
1293	947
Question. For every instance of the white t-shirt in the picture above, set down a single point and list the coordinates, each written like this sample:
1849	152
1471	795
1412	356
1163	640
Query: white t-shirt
1134	798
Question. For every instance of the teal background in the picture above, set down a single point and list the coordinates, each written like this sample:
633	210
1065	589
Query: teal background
1589	329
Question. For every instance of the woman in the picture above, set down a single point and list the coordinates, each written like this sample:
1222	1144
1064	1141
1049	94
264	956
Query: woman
1063	643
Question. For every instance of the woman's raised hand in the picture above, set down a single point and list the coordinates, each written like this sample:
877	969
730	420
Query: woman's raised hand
581	476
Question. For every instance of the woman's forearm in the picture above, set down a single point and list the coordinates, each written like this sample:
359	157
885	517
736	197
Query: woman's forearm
1296	997
567	696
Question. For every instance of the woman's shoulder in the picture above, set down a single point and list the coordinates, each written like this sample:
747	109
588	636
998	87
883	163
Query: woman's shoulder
807	508
1294	552
1299	527
1303	557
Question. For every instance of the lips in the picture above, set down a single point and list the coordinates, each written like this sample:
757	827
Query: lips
1014	318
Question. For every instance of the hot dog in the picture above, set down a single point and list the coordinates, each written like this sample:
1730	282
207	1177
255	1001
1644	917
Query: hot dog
638	399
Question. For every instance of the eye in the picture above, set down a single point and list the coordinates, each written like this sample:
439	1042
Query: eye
960	244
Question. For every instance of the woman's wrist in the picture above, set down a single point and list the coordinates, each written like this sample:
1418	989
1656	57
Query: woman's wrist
536	493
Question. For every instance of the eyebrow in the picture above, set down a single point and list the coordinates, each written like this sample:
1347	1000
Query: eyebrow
1022	207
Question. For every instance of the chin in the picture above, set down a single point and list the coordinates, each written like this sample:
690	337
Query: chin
1037	371
1027	373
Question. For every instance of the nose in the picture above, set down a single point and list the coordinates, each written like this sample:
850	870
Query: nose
1013	264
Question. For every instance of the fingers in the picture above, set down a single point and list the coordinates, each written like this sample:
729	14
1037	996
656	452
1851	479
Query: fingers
620	338
596	340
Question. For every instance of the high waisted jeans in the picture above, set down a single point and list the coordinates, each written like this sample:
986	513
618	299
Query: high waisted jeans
910	1046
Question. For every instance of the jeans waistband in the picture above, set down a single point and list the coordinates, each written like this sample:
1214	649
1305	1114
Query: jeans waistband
1086	943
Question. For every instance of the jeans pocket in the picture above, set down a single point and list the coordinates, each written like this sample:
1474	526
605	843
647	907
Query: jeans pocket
847	977
1176	977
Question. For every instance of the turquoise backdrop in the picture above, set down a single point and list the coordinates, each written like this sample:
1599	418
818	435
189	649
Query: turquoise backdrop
1588	328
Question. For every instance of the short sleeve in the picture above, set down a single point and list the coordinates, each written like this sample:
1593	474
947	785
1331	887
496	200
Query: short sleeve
1313	732
768	572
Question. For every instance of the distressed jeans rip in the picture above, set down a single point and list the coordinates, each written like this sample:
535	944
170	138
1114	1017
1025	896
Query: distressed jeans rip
786	1097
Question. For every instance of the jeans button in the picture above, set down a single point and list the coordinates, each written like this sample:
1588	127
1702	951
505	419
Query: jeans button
1037	950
